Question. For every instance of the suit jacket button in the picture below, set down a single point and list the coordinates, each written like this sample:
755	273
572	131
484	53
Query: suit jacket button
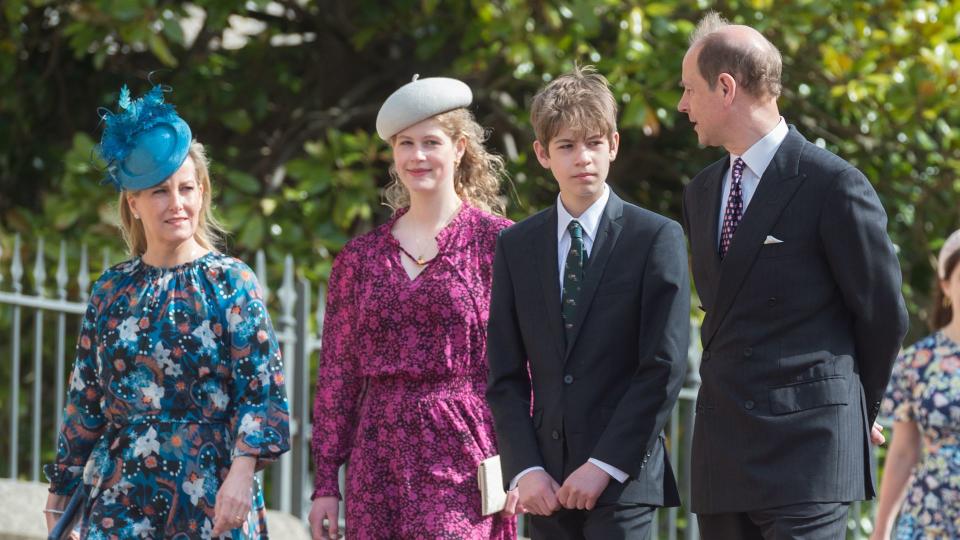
772	301
567	379
748	405
555	435
748	352
706	355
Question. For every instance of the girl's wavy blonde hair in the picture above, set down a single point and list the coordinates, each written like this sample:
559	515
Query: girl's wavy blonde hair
209	233
477	178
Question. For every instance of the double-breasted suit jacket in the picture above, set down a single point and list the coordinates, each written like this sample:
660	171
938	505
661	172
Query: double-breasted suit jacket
804	319
606	391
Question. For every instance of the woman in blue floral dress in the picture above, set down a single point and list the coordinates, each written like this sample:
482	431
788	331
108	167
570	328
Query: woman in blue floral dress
922	475
176	397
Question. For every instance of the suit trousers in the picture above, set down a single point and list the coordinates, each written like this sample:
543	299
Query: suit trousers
604	522
805	521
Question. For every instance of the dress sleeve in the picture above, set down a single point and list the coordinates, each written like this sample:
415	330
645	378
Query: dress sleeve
83	418
339	383
898	401
262	421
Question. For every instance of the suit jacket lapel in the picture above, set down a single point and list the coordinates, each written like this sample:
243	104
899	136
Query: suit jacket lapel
777	186
704	240
547	267
608	232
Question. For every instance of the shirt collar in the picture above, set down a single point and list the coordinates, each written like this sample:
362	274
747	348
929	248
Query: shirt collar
589	219
759	156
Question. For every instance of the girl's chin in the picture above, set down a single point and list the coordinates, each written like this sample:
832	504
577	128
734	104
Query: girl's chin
421	184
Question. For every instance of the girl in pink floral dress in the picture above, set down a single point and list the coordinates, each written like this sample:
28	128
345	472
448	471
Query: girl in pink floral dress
402	374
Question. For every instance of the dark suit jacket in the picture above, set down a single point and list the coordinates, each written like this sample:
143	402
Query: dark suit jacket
799	337
608	393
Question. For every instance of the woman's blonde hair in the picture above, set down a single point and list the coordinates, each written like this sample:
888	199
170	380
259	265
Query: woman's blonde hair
209	230
479	174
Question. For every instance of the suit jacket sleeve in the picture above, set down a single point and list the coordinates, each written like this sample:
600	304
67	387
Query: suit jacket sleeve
508	384
865	266
664	336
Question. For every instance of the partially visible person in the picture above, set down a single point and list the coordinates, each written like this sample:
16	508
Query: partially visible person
804	318
403	364
177	394
590	312
921	478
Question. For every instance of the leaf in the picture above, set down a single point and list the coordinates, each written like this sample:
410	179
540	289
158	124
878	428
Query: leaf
125	10
173	31
238	120
13	10
244	182
268	205
66	218
159	49
251	236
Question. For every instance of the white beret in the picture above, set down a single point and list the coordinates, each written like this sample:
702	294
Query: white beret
949	248
418	100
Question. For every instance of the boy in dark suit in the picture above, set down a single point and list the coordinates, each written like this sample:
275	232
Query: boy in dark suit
590	312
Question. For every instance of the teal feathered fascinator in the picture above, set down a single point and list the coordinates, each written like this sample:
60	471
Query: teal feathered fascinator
143	143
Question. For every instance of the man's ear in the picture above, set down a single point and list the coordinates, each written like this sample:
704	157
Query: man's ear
614	145
728	87
543	154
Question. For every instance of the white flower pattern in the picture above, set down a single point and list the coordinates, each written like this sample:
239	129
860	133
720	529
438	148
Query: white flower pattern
158	392
925	389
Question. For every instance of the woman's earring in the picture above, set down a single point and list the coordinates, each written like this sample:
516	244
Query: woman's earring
136	216
946	301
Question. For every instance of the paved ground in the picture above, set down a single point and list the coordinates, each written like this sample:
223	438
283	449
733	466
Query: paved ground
21	517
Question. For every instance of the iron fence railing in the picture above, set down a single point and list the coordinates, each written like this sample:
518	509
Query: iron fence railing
298	320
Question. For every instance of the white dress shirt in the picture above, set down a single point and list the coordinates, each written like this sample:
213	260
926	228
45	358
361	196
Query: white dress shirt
757	158
590	222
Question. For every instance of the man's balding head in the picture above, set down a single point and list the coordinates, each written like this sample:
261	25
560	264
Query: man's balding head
739	50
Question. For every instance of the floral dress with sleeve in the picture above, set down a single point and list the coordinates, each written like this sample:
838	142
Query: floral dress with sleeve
925	389
178	371
401	383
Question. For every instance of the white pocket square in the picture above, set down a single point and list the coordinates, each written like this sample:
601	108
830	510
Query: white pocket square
772	240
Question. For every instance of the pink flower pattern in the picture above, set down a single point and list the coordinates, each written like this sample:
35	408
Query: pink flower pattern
925	389
400	385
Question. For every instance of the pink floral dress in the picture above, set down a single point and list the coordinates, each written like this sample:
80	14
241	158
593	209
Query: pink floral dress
401	381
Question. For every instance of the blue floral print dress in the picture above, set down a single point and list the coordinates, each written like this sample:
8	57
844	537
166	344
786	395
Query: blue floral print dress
925	389
177	372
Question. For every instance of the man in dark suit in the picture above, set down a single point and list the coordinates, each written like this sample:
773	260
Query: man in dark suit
589	313
804	317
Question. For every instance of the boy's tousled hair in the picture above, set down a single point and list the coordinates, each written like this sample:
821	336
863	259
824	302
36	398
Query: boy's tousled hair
580	100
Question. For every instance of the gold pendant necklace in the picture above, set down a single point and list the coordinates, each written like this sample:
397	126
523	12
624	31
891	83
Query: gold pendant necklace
421	260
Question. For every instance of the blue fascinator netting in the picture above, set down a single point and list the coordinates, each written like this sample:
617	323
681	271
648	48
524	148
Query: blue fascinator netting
143	143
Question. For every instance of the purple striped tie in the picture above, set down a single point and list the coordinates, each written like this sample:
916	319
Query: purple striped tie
734	212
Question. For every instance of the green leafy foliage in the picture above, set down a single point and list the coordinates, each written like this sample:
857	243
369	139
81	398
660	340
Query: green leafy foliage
285	94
